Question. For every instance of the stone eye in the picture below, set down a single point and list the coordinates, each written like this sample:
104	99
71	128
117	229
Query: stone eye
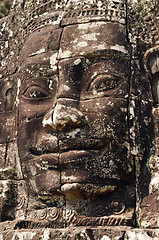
103	82
35	92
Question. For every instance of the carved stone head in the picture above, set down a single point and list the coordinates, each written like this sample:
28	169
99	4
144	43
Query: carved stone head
73	134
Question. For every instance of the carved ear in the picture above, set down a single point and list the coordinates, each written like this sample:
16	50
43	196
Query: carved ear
151	63
151	60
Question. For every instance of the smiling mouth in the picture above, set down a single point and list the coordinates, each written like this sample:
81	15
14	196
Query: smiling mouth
77	163
68	151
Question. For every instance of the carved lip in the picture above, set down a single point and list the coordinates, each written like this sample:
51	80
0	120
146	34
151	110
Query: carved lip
60	146
81	144
75	157
63	160
45	161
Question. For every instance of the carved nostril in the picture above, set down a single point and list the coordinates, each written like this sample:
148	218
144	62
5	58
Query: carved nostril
47	121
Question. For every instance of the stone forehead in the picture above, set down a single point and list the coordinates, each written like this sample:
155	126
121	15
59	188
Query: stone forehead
78	40
94	37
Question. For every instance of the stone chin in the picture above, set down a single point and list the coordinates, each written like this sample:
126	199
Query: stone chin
80	190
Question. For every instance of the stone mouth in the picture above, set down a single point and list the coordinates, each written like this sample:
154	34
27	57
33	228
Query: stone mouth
70	151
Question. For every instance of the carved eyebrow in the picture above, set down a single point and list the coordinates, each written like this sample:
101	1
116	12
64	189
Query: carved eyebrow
109	53
36	59
108	74
39	73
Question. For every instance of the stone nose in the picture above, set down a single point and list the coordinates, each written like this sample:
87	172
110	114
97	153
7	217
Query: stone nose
64	117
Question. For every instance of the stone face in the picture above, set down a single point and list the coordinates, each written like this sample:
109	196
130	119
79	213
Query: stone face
82	99
79	120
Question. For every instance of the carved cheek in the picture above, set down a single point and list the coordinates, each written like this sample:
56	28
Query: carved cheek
106	117
33	110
